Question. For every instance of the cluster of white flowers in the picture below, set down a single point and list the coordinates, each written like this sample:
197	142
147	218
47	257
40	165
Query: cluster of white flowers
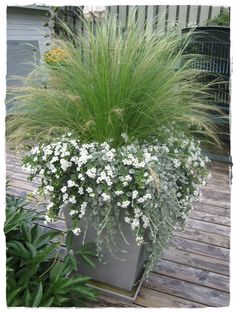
76	231
106	197
137	180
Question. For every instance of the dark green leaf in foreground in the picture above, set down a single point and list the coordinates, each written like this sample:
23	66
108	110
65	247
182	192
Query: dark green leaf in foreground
34	279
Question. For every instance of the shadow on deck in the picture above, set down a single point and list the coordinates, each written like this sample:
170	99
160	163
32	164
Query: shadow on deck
194	269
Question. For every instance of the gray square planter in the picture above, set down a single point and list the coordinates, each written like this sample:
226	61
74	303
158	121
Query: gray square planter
115	272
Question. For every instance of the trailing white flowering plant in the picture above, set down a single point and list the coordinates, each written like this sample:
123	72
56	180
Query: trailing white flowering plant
150	186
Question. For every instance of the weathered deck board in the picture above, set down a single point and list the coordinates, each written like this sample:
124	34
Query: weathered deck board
200	248
187	290
156	299
208	227
194	269
204	237
193	275
212	218
197	261
214	210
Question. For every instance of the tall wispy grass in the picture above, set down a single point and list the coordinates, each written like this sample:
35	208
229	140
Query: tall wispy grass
114	81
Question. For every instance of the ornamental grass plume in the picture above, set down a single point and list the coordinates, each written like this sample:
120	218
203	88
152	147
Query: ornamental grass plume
113	81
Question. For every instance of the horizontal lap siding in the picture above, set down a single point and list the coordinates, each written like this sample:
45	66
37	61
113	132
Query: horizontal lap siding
26	24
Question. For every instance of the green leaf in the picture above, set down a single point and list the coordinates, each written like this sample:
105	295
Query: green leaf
26	231
32	249
38	296
61	300
11	295
27	272
48	302
73	261
86	291
88	254
56	271
80	279
18	249
26	298
69	240
88	260
89	249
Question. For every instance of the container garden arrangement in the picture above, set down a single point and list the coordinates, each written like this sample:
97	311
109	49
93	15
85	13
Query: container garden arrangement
116	138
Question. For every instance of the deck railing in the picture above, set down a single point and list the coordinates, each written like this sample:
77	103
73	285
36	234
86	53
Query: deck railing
165	16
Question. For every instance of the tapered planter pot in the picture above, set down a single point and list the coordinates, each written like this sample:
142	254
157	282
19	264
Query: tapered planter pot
115	272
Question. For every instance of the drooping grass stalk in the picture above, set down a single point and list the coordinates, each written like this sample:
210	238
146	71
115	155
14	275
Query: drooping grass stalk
114	81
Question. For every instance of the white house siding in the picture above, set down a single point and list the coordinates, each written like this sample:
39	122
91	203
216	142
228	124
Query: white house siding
27	25
26	43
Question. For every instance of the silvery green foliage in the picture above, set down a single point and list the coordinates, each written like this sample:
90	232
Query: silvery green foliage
150	186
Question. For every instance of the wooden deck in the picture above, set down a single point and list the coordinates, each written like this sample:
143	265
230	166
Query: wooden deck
194	269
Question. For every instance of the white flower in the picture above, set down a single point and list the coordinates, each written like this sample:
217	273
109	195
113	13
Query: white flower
146	221
71	183
48	219
35	192
89	190
140	200
106	197
125	204
82	209
84	205
109	156
128	178
63	189
177	163
118	193
73	212
80	190
147	196
50	205
76	231
124	136
138	212
135	224
35	150
49	188
147	157
72	200
65	164
165	149
52	168
81	177
127	220
55	158
91	173
139	240
134	194
28	169
41	172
